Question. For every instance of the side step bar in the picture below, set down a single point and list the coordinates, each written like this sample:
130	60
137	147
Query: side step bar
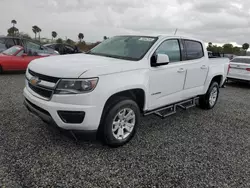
166	111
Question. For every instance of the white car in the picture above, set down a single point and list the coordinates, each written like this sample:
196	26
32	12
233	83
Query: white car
107	89
239	69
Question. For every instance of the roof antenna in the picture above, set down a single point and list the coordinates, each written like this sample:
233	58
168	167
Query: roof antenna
175	31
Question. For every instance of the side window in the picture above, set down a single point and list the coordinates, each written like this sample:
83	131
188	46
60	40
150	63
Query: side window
194	50
20	53
32	48
2	41
9	43
18	42
69	49
171	48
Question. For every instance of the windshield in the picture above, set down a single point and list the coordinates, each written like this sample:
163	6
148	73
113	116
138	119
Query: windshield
124	47
241	60
11	51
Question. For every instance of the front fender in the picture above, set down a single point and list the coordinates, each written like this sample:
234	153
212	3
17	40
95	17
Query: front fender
109	85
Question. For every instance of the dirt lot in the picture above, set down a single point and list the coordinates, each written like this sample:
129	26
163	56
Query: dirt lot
193	148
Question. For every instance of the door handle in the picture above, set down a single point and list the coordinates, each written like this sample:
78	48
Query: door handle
181	70
203	67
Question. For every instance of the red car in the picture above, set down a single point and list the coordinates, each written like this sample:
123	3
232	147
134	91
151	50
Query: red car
14	59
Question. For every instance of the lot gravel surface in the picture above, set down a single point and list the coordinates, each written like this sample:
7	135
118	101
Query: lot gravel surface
193	148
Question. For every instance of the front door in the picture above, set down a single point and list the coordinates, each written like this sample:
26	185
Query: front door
166	82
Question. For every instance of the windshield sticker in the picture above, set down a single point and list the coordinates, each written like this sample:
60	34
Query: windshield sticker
146	39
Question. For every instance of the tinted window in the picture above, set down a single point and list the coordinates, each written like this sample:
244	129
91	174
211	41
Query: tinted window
2	41
194	50
170	48
9	43
32	48
18	42
69	49
241	60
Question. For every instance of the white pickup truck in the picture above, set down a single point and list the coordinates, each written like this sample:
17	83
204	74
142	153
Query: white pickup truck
107	89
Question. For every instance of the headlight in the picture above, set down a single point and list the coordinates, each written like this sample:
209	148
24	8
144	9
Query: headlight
76	86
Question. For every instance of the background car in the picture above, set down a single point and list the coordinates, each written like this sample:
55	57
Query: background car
239	69
64	48
27	44
15	58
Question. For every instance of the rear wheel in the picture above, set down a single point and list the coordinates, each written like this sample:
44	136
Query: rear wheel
1	69
209	100
120	122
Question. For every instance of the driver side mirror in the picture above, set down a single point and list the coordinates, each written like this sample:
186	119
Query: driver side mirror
159	59
162	59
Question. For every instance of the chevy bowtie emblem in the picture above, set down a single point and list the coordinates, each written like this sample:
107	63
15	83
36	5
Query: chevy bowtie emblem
34	81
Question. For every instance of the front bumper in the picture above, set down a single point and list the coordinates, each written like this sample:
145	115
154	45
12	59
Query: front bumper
48	111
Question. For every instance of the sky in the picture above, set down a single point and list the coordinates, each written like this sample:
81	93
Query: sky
218	21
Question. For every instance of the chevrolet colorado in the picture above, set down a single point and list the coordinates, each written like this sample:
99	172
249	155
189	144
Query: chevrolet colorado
107	89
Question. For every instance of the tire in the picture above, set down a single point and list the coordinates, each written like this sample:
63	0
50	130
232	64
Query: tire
207	101
1	69
113	124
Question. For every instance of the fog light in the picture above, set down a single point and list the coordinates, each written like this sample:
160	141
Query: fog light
71	116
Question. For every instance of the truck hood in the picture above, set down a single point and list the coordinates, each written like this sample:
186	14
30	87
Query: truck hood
73	66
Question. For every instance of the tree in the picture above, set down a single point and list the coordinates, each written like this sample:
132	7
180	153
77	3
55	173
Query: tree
210	44
236	50
14	22
35	30
69	41
228	48
39	30
245	46
24	35
105	38
80	36
59	40
54	34
12	31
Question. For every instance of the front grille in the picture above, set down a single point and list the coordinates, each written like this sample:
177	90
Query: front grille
41	91
44	77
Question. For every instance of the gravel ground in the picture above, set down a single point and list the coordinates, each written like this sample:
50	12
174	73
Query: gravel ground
193	148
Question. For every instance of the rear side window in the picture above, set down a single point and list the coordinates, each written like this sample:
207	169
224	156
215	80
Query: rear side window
194	50
241	60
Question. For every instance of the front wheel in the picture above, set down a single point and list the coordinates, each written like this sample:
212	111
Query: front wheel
209	100
121	122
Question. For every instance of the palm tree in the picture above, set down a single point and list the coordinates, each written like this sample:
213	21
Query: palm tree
12	31
80	36
39	30
14	22
54	34
245	47
35	30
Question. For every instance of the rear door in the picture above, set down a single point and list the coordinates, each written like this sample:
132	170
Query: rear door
196	65
239	68
20	62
